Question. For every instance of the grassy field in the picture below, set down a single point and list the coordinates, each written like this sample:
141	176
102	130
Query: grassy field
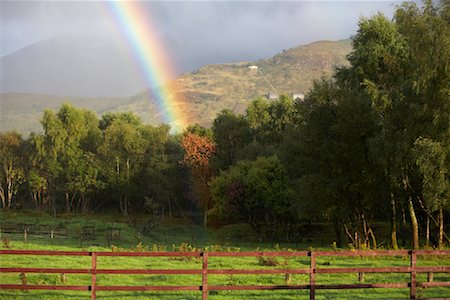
174	235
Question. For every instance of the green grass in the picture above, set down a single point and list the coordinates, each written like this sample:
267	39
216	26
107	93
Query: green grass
176	235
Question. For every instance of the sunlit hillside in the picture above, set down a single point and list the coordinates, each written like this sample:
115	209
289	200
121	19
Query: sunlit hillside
207	90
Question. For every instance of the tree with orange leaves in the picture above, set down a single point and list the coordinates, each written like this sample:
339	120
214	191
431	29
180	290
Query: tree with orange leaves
198	153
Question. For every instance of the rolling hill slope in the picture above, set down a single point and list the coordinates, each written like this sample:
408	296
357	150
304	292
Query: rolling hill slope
206	91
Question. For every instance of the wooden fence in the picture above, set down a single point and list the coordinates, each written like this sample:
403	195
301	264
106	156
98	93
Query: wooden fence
412	269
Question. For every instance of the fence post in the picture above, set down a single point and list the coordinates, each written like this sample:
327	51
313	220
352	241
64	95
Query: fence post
94	276
23	278
312	276
413	282
205	276
63	278
25	235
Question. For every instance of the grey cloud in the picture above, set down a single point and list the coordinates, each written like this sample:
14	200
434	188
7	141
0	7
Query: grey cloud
194	33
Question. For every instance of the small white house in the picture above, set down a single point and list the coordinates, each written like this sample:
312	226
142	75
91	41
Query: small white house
298	97
271	96
253	67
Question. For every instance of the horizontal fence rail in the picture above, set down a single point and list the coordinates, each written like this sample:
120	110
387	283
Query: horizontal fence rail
312	270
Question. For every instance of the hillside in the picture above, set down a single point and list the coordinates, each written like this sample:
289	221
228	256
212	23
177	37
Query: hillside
207	90
22	112
215	87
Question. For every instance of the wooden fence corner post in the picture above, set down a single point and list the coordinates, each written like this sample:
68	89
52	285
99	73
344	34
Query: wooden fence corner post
312	276
94	276
413	281
23	278
205	276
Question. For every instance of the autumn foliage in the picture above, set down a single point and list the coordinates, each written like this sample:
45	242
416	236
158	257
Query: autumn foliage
198	153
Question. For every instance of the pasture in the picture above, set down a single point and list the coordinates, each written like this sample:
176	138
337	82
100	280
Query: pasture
188	237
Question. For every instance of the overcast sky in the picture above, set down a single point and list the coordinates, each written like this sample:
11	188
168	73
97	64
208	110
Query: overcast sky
194	33
244	26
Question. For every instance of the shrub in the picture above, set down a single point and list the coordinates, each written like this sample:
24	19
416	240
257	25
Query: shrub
6	242
268	261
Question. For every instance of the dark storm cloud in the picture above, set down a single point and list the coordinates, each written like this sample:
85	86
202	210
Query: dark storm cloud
194	33
198	33
230	31
233	25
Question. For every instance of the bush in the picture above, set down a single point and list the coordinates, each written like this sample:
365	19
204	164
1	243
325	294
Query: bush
270	261
6	242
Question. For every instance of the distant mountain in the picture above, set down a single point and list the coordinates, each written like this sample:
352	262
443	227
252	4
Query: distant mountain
207	90
72	65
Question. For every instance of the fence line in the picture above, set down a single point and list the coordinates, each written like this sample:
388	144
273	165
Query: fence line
412	269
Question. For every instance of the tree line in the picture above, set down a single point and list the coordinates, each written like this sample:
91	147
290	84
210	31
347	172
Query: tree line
372	142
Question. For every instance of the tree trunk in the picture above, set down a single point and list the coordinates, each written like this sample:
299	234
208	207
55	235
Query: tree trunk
363	224
124	205
67	203
170	208
427	234
35	200
372	236
441	228
414	225
85	203
338	233
394	243
3	197
9	192
54	205
403	227
351	237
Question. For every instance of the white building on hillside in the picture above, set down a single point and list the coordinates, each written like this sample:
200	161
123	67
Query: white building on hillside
271	96
298	97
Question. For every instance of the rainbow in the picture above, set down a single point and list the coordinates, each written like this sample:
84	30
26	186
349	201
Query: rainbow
155	65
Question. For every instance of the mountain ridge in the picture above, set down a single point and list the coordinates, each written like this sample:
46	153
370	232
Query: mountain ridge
205	91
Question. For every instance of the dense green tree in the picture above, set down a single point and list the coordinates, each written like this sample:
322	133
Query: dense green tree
333	165
70	137
37	172
11	168
231	134
268	120
376	70
402	65
160	168
431	159
124	117
200	131
257	115
257	192
122	153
